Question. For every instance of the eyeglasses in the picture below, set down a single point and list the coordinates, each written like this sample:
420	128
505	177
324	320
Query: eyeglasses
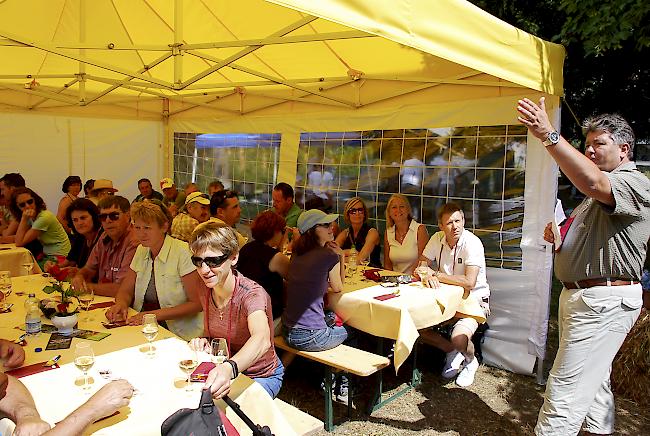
355	210
114	216
25	203
211	261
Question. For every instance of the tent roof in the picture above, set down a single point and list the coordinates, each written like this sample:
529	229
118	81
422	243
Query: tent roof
210	58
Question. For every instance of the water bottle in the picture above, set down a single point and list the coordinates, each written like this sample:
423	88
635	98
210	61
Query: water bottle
352	261
32	315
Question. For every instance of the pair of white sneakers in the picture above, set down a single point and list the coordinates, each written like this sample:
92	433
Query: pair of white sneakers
456	365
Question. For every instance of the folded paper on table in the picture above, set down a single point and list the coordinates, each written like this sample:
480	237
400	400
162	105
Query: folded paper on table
101	305
385	297
31	369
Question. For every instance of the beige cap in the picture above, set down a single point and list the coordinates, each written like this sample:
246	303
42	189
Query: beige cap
166	183
198	197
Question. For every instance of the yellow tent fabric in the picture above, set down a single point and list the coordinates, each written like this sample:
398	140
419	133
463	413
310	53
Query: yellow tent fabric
150	59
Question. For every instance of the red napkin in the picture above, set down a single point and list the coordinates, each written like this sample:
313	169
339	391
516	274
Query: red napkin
24	371
386	297
372	274
101	305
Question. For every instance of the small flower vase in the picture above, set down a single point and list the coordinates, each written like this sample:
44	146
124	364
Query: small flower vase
65	324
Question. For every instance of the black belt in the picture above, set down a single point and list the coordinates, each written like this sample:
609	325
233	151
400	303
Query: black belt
601	281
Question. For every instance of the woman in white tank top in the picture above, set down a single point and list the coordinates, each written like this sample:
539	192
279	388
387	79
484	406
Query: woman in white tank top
405	238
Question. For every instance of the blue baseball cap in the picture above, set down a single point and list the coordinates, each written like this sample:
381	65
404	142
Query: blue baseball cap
310	218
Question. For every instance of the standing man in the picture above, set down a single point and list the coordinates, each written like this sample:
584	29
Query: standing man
147	191
459	259
599	262
174	199
225	209
111	257
283	204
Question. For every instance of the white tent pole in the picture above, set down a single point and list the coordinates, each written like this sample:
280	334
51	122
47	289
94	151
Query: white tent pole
82	51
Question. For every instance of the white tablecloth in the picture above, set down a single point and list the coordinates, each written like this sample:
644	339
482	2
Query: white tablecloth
12	259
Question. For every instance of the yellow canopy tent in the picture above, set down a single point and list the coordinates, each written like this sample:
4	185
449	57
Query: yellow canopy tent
281	66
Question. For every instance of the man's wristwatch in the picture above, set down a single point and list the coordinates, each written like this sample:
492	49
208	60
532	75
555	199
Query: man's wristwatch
552	139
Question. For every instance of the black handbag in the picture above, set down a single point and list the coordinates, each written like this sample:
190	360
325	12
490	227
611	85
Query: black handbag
204	421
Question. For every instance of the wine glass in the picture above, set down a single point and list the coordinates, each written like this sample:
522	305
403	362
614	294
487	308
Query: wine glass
219	350
364	263
5	283
28	265
84	359
188	362
150	330
423	271
85	300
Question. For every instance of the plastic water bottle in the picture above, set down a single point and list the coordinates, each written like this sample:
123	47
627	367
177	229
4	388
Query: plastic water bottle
352	261
32	315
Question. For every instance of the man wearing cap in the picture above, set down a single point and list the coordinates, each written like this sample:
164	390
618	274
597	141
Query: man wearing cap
196	211
283	204
599	262
174	199
147	192
102	188
111	257
225	209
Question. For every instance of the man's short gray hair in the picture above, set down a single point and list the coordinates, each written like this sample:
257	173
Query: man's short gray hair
613	124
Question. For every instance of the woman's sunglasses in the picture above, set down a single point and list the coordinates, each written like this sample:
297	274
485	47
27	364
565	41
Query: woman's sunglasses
25	203
355	210
211	261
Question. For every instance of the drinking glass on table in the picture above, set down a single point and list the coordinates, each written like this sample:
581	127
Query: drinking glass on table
424	272
364	263
85	300
28	265
219	350
84	359
5	283
150	330
188	363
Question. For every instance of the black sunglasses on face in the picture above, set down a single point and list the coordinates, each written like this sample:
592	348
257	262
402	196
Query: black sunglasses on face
112	215
211	261
355	210
25	203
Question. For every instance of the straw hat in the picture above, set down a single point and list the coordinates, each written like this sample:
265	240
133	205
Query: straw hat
103	184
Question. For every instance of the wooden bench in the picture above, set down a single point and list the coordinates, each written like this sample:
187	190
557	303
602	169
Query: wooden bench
302	423
342	358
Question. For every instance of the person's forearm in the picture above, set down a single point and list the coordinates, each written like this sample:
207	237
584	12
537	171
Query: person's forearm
457	280
105	289
253	349
8	239
73	424
18	403
181	311
581	171
23	227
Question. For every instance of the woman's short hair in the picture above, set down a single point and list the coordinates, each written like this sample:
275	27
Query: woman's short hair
13	205
349	205
83	204
149	212
88	186
212	235
393	198
266	224
307	242
70	180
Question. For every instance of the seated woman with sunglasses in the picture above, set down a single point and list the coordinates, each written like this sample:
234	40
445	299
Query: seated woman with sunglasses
235	308
36	222
359	234
161	279
261	261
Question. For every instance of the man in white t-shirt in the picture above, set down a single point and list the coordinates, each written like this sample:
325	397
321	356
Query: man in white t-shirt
458	258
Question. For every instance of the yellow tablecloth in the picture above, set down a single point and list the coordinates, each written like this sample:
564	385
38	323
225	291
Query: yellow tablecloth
158	380
400	318
12	259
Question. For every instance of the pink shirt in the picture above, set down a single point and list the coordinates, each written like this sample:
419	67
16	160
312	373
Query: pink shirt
247	298
109	261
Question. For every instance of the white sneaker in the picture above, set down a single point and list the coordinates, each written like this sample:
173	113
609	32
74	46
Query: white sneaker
453	362
466	376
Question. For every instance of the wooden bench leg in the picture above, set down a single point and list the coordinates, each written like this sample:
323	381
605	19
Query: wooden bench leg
287	358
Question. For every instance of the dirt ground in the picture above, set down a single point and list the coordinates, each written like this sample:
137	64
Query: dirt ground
498	403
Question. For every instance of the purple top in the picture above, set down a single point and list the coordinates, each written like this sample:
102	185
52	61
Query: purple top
307	285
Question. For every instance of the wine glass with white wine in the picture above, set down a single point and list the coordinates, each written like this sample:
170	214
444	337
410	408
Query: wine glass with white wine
28	265
219	350
188	363
150	330
5	283
84	359
85	300
364	263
